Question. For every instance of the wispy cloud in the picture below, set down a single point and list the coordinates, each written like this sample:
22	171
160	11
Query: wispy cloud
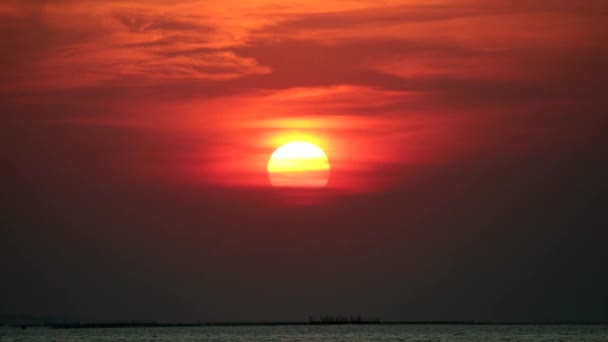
398	82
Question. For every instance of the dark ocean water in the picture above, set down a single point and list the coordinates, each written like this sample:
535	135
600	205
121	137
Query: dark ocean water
450	333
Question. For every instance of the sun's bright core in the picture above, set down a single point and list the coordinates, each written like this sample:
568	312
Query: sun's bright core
298	164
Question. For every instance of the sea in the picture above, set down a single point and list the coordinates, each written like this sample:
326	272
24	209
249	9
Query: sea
312	333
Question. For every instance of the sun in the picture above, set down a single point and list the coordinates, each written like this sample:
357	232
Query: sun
298	164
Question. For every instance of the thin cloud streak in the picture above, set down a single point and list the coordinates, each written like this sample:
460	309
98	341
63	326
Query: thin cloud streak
400	83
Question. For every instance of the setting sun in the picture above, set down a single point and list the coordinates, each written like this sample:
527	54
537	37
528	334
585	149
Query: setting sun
298	164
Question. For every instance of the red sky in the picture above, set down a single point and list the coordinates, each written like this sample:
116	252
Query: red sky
411	100
375	83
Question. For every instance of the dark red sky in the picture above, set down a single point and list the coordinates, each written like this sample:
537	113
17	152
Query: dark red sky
467	142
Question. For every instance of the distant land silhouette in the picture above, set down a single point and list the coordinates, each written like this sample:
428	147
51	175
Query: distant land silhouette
27	321
342	319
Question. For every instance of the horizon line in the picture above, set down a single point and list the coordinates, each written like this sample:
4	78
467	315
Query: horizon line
140	323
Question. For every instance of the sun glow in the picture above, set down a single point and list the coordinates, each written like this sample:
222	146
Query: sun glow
298	164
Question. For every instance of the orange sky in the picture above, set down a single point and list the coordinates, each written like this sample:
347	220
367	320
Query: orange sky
379	85
467	142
